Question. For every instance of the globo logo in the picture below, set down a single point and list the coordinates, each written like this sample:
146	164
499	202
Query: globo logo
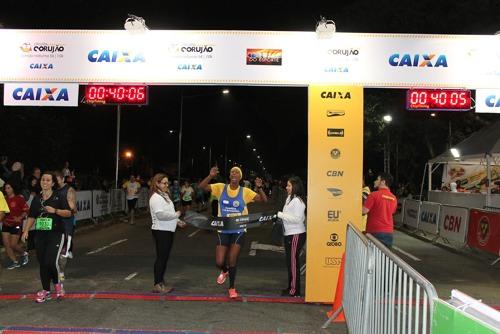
418	60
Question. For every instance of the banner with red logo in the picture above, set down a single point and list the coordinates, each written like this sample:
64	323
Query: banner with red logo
484	231
453	223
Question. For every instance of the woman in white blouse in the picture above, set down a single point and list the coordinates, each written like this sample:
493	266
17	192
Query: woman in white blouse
164	222
293	216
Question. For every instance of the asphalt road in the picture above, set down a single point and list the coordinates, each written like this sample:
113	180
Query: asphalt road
125	265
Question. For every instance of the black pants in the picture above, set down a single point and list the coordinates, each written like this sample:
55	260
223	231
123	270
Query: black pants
48	248
293	245
163	241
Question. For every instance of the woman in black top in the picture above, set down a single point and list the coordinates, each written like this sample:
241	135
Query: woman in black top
46	212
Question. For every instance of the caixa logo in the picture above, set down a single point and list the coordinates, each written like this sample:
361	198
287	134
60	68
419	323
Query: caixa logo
40	94
418	60
35	66
111	56
492	101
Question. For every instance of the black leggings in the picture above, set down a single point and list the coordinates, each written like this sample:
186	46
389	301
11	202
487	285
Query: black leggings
293	245
163	241
48	248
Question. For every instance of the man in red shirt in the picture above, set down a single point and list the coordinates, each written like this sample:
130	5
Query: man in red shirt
380	206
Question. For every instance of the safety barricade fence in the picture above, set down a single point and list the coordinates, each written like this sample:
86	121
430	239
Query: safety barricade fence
453	224
411	212
382	293
95	204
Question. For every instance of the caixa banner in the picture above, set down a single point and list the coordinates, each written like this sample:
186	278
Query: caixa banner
488	101
41	94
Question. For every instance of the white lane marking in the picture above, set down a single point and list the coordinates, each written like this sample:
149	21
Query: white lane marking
414	258
194	233
129	277
105	247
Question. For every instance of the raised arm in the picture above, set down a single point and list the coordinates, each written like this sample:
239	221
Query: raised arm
214	171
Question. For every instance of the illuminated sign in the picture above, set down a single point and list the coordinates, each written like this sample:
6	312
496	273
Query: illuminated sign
116	94
438	99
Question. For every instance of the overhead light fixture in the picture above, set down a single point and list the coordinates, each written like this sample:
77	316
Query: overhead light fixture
433	114
325	28
387	118
455	153
225	91
135	24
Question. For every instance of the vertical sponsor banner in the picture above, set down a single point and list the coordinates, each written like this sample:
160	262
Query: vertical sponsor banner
453	223
100	203
484	231
117	200
429	217
411	213
335	163
83	205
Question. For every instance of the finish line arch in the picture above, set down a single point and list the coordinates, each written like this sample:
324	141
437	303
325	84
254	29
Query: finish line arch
335	70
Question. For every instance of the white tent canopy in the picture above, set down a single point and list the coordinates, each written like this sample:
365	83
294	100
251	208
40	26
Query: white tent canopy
481	148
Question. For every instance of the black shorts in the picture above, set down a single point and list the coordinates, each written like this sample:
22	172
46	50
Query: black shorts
11	229
186	203
227	239
131	203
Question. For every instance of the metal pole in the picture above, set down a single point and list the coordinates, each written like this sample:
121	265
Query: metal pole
118	114
180	141
209	157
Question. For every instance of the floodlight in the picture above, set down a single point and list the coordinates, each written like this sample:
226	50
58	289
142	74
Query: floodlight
387	118
455	152
135	24
325	28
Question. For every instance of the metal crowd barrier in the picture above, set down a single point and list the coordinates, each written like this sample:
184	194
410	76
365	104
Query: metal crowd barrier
382	293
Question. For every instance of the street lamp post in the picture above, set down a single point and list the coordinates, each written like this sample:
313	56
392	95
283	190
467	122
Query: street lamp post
387	146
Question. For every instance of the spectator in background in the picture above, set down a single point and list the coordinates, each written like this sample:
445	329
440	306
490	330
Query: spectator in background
131	188
66	171
33	182
12	225
186	196
365	191
16	178
175	191
380	207
4	169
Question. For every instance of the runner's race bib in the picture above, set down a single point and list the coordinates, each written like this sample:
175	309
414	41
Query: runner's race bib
43	224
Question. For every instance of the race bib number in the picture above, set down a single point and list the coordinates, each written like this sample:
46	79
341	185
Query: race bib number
43	224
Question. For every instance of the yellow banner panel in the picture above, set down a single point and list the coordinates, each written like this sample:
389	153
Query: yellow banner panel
335	167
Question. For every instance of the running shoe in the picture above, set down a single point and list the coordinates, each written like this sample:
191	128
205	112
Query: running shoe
222	277
61	276
161	288
42	296
233	294
59	290
25	258
13	265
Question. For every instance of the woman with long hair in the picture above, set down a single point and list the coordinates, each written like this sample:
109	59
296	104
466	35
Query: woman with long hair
12	226
47	211
293	216
164	223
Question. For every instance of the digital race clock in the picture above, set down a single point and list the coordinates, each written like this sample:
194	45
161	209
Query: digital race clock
438	99
116	94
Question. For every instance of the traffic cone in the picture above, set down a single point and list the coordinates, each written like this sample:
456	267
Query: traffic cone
337	302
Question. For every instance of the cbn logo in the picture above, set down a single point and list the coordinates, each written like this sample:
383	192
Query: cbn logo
108	56
492	101
418	60
41	94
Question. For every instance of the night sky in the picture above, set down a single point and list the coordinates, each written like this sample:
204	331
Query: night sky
276	118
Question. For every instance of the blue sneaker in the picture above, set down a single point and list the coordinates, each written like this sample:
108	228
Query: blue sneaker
24	259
